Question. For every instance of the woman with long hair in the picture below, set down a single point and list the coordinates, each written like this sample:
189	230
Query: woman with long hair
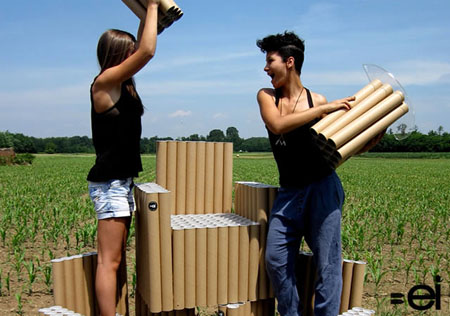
116	111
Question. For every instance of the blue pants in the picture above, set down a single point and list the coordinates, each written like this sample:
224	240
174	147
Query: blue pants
313	212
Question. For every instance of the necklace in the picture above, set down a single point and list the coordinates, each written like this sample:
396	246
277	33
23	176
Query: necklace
280	141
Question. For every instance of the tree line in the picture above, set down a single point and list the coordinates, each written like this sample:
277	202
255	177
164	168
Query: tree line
433	141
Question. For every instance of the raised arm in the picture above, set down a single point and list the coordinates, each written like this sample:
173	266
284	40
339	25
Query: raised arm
279	124
109	81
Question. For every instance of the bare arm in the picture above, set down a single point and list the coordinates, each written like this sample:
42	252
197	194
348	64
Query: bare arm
278	124
108	83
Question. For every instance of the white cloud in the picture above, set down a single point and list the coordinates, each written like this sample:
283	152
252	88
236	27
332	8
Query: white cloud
219	116
180	113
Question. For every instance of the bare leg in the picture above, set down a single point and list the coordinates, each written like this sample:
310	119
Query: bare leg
111	235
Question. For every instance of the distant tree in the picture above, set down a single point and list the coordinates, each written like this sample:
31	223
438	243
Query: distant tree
440	130
256	144
6	140
50	148
232	135
216	135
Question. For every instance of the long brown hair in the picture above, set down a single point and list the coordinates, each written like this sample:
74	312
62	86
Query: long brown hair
114	46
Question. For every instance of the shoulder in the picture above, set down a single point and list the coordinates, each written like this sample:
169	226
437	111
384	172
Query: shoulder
266	94
318	99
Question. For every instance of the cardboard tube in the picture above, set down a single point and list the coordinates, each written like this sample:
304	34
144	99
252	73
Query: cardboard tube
359	96
273	191
209	178
218	177
357	284
211	283
359	141
69	283
166	250
178	268
189	262
227	177
254	261
58	281
80	285
247	201
200	178
151	222
191	164
181	178
233	310
366	119
137	8
161	163
244	244
357	111
171	181
201	266
309	283
347	272
233	264
122	287
262	208
89	280
222	266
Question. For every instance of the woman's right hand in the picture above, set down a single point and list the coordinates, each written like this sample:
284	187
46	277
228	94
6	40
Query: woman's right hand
338	104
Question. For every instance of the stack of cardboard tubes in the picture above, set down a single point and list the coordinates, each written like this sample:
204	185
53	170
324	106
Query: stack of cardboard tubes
74	284
191	250
343	134
168	12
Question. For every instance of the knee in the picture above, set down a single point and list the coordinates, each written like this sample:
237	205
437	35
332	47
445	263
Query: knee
110	264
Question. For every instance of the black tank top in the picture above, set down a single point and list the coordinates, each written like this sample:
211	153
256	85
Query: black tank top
116	134
299	161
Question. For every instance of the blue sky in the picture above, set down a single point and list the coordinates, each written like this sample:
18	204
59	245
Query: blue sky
207	69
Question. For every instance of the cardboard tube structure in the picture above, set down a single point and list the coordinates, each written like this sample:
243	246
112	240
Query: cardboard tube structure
359	96
151	220
89	276
222	265
58	281
191	163
209	178
122	288
357	284
171	180
347	273
356	143
166	250
178	268
262	195
161	163
227	177
189	262
357	111
218	177
211	286
137	8
200	178
244	242
233	264
181	178
371	116
201	266
254	261
69	282
79	283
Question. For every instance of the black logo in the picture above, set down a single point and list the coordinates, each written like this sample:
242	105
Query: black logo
430	295
152	206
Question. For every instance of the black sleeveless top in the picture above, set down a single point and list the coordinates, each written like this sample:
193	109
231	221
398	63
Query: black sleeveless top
299	161
116	134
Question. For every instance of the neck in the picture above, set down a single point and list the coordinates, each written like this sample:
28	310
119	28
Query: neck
293	87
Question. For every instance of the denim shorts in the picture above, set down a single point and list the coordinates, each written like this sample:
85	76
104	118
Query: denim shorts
113	198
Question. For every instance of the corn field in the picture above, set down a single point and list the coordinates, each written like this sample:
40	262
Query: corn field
395	218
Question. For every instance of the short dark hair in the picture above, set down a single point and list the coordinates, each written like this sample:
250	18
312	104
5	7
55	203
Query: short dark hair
286	45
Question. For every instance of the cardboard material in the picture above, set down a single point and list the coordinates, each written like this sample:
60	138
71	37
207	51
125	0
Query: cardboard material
359	96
